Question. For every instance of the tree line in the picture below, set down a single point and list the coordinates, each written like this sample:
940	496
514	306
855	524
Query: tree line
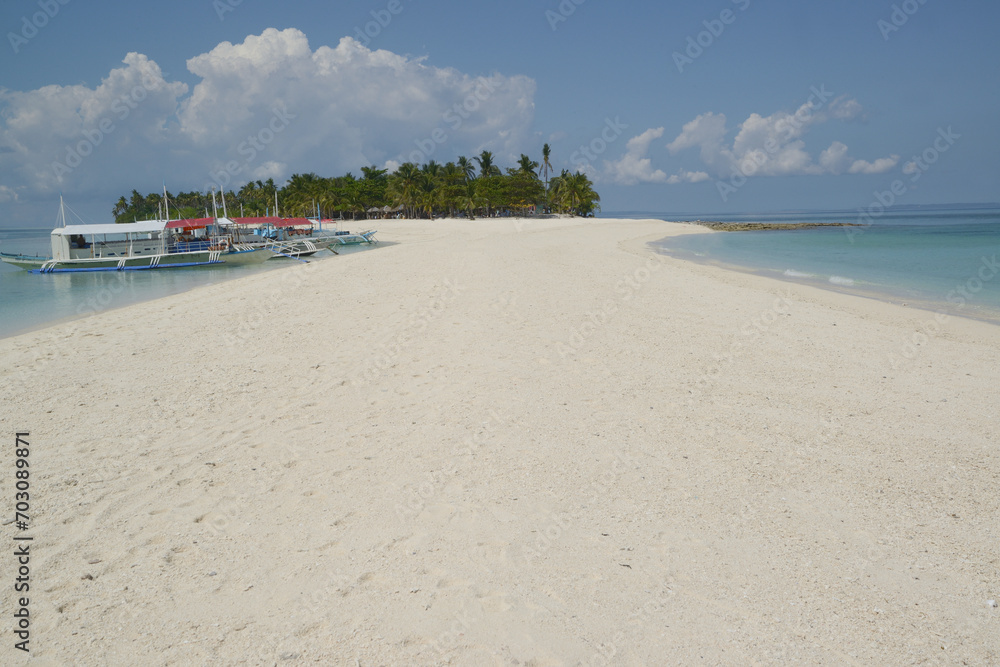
474	188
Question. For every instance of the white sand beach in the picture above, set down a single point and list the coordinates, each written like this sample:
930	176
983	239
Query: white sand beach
507	442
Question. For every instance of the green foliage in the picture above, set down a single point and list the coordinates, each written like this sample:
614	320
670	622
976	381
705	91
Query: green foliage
429	190
573	193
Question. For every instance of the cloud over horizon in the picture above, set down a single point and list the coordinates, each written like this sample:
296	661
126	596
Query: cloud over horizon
634	167
266	107
773	145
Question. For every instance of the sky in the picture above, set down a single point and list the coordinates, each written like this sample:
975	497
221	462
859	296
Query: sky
721	106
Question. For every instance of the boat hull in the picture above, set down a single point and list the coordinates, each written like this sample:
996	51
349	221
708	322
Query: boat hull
244	257
137	263
296	249
23	261
351	239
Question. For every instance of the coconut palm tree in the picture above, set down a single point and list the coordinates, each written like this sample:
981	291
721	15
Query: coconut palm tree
330	197
432	189
301	192
574	193
372	173
428	194
432	169
527	165
486	166
404	186
546	168
120	209
353	200
451	174
451	180
465	164
469	199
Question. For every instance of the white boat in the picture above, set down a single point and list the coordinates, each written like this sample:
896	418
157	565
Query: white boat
135	246
161	244
292	237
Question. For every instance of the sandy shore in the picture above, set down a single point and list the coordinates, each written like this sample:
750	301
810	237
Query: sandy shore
509	443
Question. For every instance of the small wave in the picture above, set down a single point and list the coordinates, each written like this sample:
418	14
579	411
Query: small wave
792	273
840	280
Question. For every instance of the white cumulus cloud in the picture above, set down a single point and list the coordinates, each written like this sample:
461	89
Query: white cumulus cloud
688	177
879	166
773	145
7	194
260	109
634	167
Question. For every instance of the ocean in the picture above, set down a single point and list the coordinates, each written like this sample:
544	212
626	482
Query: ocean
942	259
31	301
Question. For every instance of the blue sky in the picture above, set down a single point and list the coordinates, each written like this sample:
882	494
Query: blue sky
710	107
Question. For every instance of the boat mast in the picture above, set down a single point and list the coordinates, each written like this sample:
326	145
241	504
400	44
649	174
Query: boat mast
276	202
225	214
166	202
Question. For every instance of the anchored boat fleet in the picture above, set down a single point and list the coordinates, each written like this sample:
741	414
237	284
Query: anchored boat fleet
161	244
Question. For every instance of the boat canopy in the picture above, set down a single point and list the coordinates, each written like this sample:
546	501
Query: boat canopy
143	227
146	226
191	223
271	220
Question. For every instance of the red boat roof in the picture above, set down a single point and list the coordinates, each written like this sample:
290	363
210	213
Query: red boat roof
201	223
190	223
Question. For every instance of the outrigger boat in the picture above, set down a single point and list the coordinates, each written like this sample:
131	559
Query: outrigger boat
160	244
293	237
135	246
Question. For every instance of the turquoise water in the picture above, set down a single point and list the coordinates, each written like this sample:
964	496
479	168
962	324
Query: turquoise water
943	260
29	301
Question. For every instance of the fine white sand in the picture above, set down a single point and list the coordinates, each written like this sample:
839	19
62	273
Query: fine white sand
507	443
